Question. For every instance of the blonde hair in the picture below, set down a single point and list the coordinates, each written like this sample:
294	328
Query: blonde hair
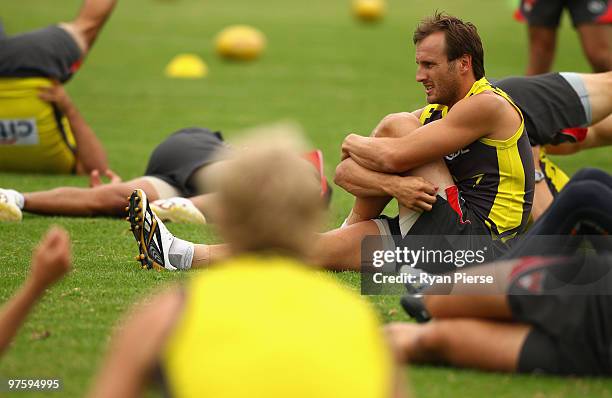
268	196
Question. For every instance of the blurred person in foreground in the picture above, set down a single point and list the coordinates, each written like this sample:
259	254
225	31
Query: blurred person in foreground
591	18
262	323
50	262
41	130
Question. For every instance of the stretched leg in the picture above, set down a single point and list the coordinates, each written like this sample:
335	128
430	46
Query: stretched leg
471	343
105	200
88	23
338	250
542	44
473	301
595	39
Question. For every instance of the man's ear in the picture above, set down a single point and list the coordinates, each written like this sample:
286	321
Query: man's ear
465	63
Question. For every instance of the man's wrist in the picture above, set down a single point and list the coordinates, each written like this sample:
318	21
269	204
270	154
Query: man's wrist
33	288
390	184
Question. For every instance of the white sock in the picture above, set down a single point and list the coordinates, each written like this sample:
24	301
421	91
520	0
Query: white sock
181	254
19	199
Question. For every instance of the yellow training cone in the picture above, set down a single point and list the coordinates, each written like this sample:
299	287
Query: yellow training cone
186	66
240	42
369	10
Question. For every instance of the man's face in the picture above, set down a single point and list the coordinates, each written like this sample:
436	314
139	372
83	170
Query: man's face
440	78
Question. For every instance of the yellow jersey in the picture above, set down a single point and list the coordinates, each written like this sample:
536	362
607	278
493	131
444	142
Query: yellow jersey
34	135
270	327
494	177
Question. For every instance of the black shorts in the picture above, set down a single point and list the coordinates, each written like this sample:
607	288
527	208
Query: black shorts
181	154
571	328
548	12
444	228
50	52
549	105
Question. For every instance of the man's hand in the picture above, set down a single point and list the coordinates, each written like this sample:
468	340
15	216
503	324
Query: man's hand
415	193
95	179
346	144
344	147
51	259
56	95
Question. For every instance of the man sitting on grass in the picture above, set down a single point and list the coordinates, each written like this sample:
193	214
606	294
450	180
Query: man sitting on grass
465	159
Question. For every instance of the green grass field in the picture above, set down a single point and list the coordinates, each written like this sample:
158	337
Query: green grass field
322	69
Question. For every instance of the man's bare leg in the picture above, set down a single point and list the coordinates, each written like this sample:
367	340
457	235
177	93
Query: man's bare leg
338	250
473	300
480	344
542	45
597	46
104	200
88	23
599	87
398	125
369	207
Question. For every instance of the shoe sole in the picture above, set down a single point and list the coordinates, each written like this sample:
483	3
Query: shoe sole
178	215
9	212
137	206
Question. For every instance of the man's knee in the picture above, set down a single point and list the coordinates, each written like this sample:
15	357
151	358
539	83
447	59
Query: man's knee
397	124
597	50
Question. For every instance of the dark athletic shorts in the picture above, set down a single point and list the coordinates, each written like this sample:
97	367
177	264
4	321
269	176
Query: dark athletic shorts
549	104
50	52
443	228
548	12
181	154
571	328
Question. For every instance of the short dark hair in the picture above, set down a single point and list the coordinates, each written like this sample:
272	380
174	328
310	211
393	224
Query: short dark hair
461	38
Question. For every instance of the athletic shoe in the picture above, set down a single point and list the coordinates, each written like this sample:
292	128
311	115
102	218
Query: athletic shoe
9	211
178	210
316	158
151	234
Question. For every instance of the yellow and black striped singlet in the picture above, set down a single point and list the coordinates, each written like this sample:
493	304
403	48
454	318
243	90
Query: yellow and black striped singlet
494	177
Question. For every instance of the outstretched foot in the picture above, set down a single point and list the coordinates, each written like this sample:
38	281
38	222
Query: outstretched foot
153	238
178	210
